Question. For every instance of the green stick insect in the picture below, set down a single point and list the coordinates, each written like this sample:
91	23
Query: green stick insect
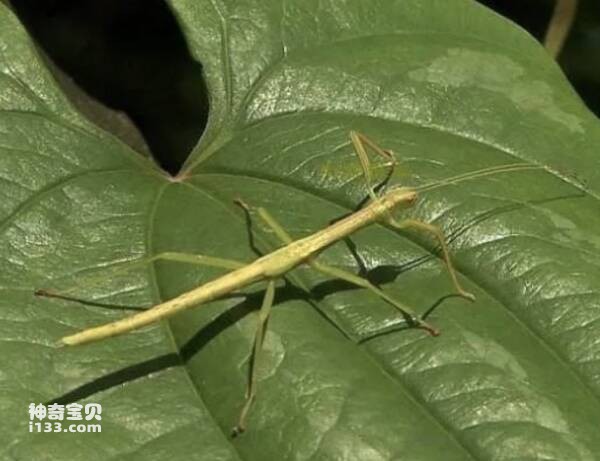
294	253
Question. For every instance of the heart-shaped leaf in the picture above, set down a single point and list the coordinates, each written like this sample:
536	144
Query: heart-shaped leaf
450	88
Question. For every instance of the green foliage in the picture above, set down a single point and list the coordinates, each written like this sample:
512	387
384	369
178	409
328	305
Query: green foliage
450	87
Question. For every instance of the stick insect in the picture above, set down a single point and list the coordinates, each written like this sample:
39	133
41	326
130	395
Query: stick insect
294	253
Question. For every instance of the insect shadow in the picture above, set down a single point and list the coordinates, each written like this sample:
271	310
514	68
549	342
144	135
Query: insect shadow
379	275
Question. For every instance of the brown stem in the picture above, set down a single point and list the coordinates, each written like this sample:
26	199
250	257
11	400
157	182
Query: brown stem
560	25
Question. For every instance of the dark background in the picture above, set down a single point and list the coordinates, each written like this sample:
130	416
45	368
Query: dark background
131	56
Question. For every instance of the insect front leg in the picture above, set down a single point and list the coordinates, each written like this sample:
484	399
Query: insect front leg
439	235
360	143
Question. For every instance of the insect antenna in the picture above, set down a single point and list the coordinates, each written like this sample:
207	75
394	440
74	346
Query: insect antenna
479	174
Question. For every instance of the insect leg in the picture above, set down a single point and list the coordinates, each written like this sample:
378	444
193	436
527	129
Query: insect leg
411	317
439	235
187	258
360	143
261	330
266	217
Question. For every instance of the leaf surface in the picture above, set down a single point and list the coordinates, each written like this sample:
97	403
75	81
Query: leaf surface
450	88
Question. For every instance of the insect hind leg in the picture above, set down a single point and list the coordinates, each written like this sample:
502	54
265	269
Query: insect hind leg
172	256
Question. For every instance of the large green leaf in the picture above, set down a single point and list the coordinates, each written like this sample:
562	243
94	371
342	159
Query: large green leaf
450	88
